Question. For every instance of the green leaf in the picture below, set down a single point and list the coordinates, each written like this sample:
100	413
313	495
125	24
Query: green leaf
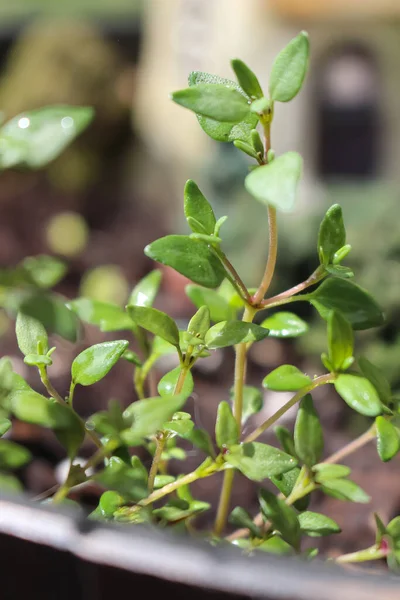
220	309
230	333
393	528
257	142
341	254
109	502
215	101
246	148
199	209
340	341
72	437
344	489
106	316
285	439
377	378
274	545
10	484
325	472
5	425
316	525
34	408
239	517
308	434
13	456
147	416
276	183
199	324
359	394
285	325
202	440
289	69
30	333
156	322
37	137
166	385
53	313
124	479
282	517
247	79
192	258
259	461
145	292
45	271
339	271
355	304
332	234
286	378
387	439
226	428
261	105
95	362
285	484
182	428
252	401
221	131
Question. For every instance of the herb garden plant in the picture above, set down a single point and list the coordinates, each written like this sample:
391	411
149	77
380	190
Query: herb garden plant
226	313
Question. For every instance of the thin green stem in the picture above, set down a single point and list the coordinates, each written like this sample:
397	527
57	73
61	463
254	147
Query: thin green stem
322	380
272	254
235	278
171	487
161	439
61	494
49	386
352	446
224	502
372	553
71	393
240	375
315	278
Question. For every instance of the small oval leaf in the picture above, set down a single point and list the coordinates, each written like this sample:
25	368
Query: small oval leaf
246	79
230	333
286	378
308	434
166	385
332	234
340	341
95	362
276	183
285	325
198	208
220	309
355	304
30	332
192	258
316	525
289	69
359	394
144	293
387	439
215	101
226	428
155	321
106	316
13	456
259	461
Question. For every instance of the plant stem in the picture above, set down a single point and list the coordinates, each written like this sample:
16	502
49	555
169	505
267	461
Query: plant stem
322	380
372	553
171	487
316	277
71	393
49	386
352	446
240	374
236	279
61	494
272	254
161	438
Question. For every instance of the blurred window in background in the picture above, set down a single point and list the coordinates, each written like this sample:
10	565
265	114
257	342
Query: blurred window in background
348	119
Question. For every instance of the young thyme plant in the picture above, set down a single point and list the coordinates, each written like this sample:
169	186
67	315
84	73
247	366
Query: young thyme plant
240	113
